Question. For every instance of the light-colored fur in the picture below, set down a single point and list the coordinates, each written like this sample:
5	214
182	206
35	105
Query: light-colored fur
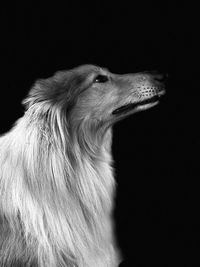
56	178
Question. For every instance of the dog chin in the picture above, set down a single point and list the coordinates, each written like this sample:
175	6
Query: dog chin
146	106
131	108
129	112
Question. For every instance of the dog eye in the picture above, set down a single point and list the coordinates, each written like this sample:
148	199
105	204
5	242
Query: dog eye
101	79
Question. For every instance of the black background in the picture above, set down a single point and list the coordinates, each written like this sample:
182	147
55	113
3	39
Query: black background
156	152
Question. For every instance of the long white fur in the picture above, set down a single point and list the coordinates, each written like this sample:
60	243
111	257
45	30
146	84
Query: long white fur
55	206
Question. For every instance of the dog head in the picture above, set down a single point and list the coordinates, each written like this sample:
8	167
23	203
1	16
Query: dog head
95	95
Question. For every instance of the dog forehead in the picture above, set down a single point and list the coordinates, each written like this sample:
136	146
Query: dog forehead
90	70
87	68
82	73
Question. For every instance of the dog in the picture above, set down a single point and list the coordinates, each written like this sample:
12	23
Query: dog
56	175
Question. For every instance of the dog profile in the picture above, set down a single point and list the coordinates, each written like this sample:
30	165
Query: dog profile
56	176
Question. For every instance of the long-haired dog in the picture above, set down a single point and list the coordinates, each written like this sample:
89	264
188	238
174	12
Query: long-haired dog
56	178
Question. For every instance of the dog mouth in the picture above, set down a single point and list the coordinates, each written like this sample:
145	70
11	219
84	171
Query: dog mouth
131	106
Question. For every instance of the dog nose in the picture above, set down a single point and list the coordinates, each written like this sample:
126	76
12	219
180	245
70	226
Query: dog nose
161	77
158	76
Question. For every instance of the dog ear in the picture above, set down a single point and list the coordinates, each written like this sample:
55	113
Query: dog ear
40	92
62	88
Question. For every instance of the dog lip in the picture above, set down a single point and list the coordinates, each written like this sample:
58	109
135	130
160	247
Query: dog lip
131	106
